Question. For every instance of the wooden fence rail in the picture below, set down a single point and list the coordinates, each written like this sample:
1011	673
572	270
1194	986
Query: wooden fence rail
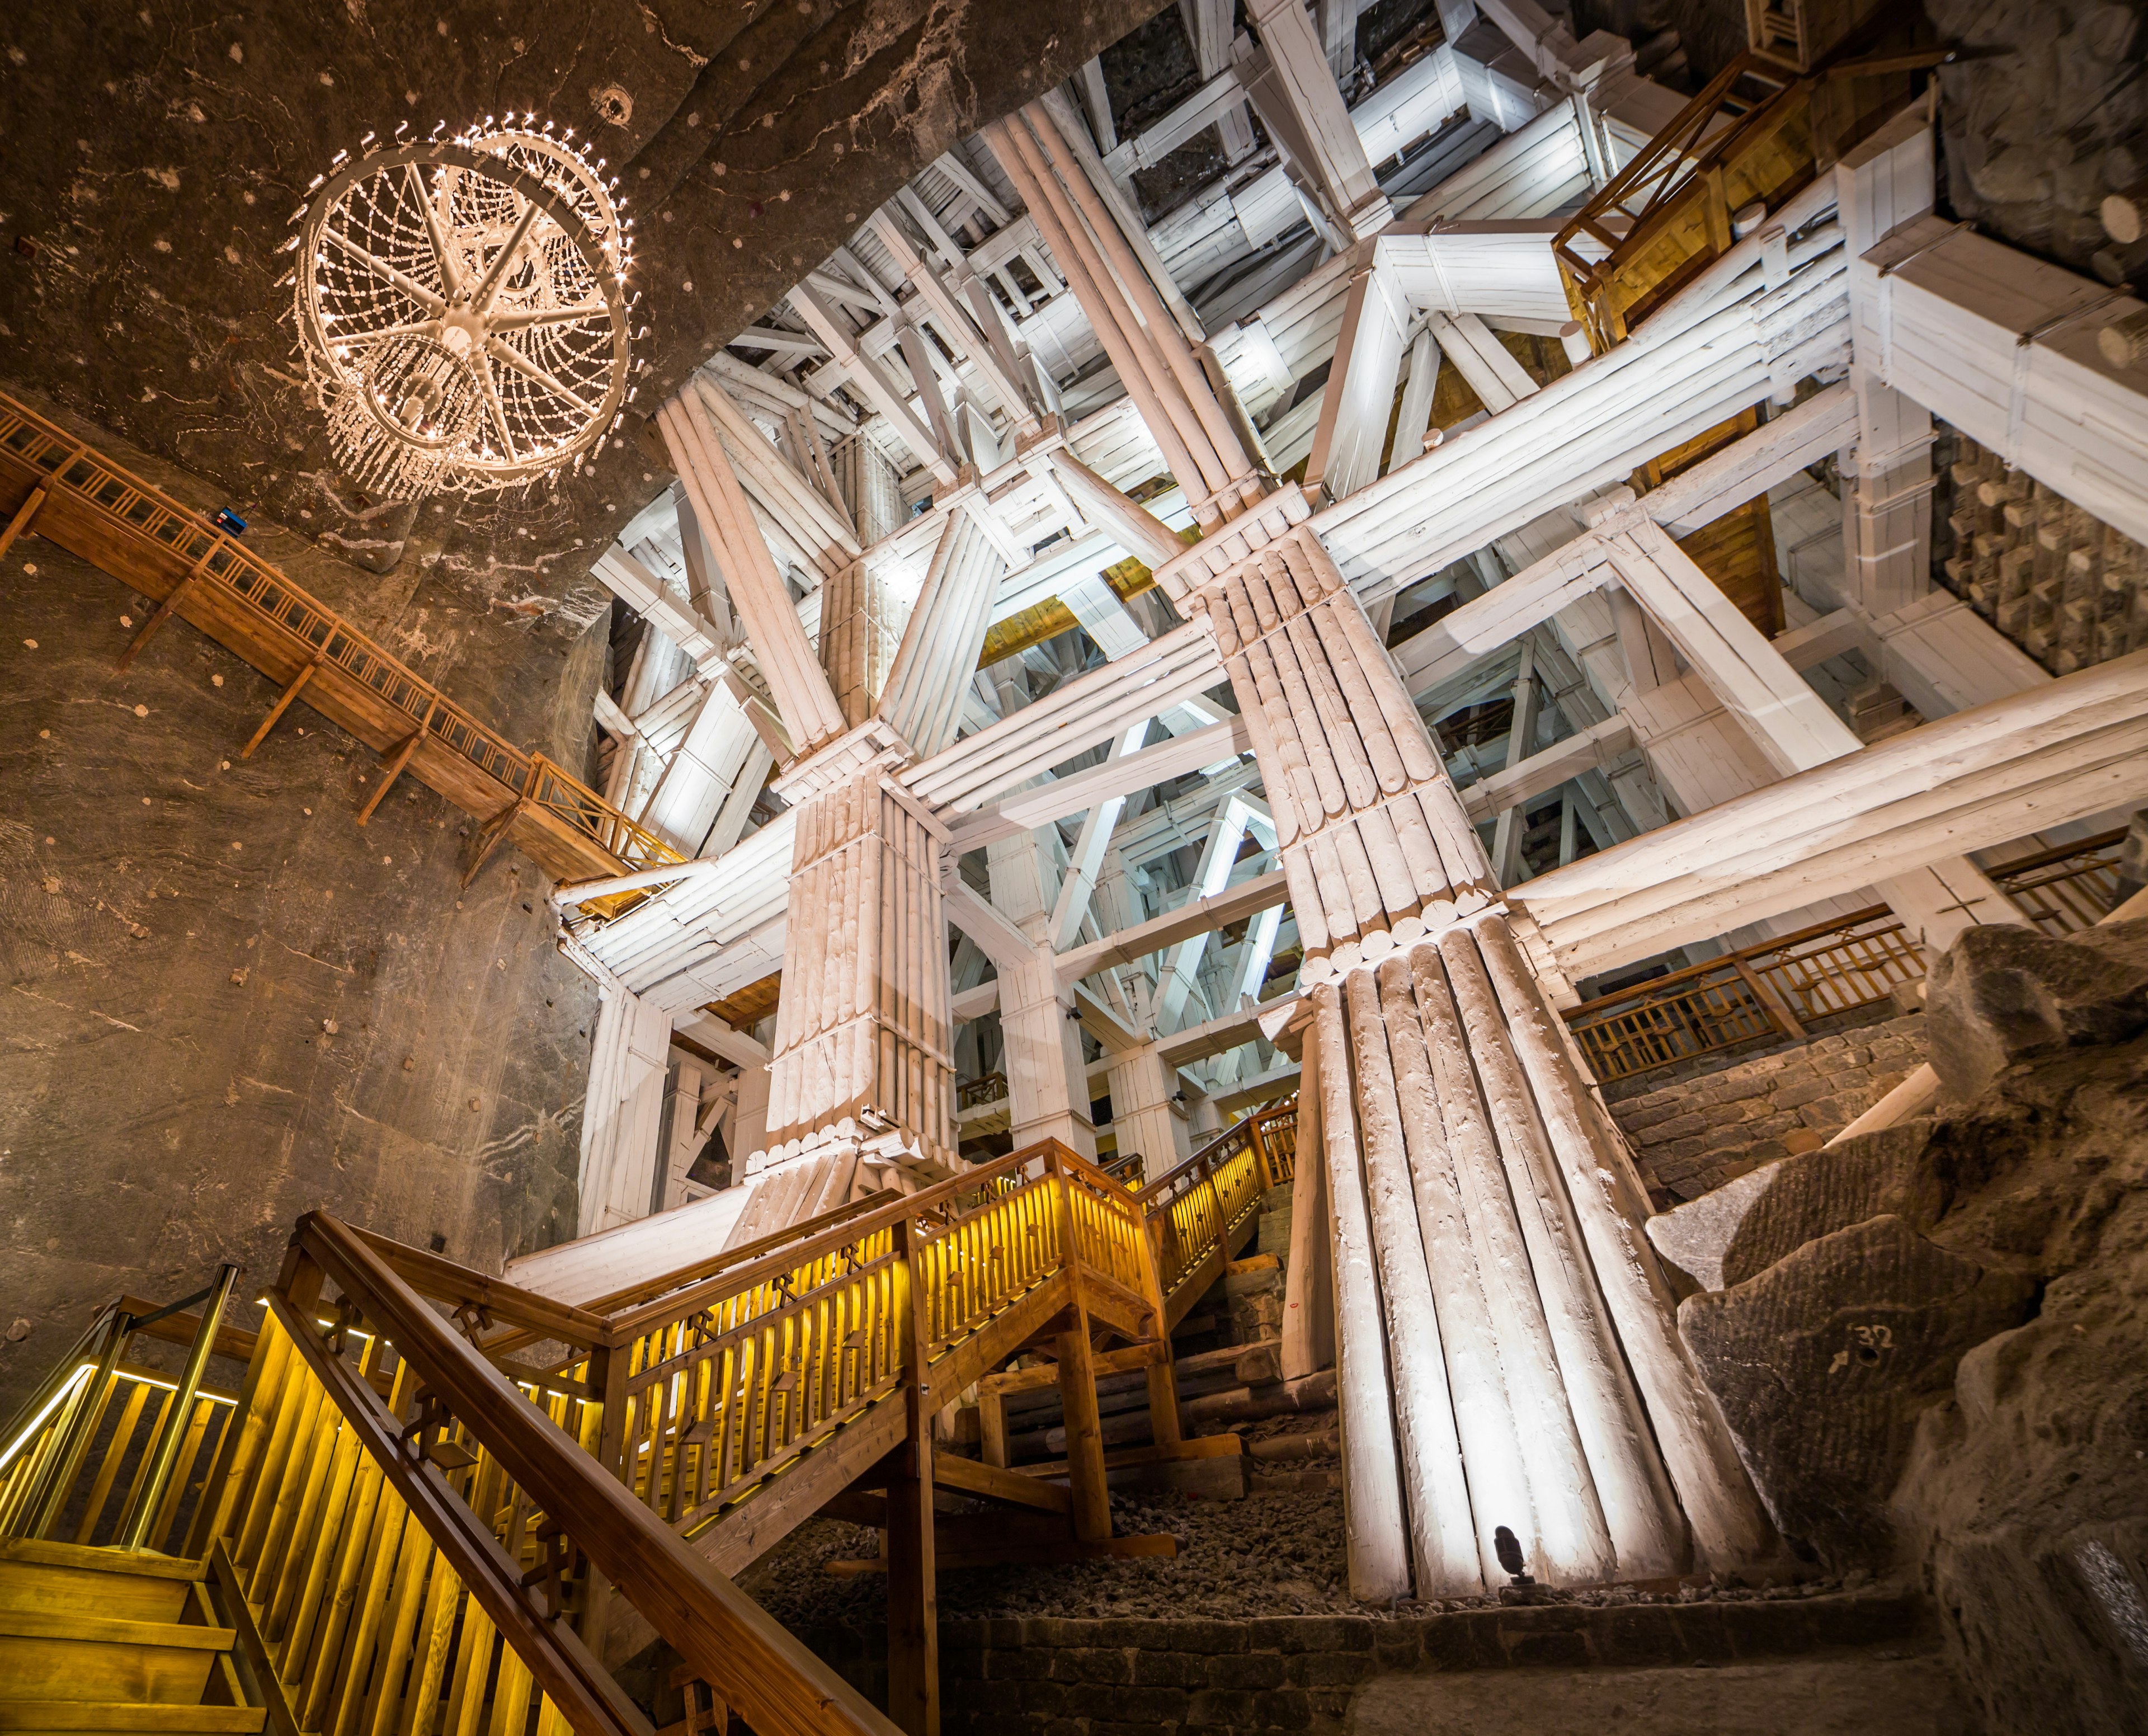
1779	988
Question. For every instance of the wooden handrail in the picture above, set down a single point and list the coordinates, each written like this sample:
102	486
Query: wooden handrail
778	1685
2046	858
444	1280
1655	985
815	1240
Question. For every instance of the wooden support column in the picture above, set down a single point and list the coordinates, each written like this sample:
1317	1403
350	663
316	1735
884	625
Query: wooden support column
282	704
1308	1304
913	1619
1162	1376
1077	1381
25	515
392	769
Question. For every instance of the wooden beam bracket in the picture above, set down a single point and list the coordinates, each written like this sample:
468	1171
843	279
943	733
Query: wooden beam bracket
282	704
392	768
26	515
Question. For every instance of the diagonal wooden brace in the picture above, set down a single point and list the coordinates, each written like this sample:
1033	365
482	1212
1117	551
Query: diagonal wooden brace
25	516
393	768
282	704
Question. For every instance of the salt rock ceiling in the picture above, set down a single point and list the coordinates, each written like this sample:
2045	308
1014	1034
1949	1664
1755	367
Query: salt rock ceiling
156	152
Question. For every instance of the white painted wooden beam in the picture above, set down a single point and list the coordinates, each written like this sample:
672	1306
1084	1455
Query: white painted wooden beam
866	373
1202	916
1303	111
2069	749
1596	748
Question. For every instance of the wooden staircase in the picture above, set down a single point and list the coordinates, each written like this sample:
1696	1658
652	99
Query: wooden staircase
102	1640
439	1503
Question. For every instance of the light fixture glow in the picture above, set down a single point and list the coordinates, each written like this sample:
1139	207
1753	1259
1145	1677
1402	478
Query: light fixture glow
463	313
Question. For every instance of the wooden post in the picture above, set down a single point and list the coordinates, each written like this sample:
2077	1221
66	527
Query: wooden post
163	611
913	1623
392	769
991	1427
607	1372
1309	1308
1771	1003
305	674
1077	1382
1162	1376
25	515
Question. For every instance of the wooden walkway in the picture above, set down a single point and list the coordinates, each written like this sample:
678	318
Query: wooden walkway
77	499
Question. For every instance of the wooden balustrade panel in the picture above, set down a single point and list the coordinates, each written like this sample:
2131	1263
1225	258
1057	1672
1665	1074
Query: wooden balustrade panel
365	1624
1106	1228
129	1412
988	1258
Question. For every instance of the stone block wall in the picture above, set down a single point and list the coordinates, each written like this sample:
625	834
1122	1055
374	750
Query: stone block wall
1706	1128
1299	1673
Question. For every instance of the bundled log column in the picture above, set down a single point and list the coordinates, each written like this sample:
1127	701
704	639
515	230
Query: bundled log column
864	1024
1508	1351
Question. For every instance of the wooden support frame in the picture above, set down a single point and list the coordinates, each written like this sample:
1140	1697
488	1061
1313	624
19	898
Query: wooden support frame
26	515
282	704
393	768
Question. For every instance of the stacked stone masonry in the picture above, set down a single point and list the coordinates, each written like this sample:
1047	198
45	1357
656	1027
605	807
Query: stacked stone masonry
1701	1131
1302	1672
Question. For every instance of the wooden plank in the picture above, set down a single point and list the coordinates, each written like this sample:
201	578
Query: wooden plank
1166	1453
1109	1548
990	1483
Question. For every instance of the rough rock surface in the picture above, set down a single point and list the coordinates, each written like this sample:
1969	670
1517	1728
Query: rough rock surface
2020	1433
2002	995
1822	1362
1743	1228
224	1004
155	154
2025	1503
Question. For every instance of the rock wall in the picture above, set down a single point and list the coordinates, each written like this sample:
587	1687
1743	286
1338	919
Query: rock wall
1704	1130
225	1004
1933	1345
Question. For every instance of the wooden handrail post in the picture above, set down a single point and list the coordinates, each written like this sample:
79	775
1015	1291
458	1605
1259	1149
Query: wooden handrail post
913	1617
607	1373
164	1456
1161	1374
1077	1380
56	1475
1261	1165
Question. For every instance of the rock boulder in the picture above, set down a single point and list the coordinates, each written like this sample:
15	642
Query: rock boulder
2002	995
1823	1362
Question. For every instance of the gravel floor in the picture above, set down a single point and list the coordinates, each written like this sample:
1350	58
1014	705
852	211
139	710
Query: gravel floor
1266	1555
1270	1554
